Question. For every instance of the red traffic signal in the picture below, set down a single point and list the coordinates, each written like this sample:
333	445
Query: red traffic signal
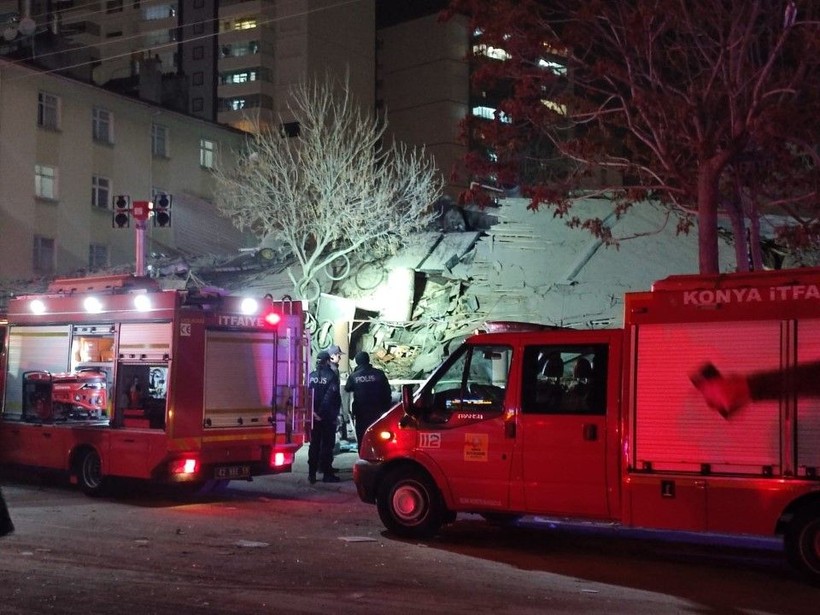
121	217
162	209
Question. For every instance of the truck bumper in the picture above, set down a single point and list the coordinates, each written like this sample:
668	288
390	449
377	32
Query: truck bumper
365	475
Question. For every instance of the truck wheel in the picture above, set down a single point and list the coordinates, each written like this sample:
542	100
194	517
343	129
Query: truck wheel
802	543
409	504
89	471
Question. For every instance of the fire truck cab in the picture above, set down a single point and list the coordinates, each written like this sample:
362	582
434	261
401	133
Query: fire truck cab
114	377
702	415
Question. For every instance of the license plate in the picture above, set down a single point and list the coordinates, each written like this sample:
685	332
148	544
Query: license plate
228	472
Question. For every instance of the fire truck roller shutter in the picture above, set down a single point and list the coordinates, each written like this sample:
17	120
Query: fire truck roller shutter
698	435
238	378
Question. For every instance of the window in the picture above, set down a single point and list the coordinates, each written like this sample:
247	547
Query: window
198	104
43	258
242	76
48	111
564	380
160	11
97	256
102	125
244	24
113	6
474	383
199	28
45	181
207	153
159	141
198	78
100	191
489	113
199	52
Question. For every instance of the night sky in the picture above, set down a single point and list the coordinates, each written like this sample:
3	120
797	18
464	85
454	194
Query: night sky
391	12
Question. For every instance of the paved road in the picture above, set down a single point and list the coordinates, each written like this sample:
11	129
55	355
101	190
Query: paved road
280	545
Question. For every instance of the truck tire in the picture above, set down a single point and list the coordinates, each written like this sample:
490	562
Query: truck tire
802	543
409	504
89	473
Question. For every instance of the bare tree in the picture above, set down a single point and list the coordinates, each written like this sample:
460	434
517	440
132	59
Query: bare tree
709	106
333	189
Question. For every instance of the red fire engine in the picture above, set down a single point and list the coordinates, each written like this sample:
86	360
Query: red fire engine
702	414
114	377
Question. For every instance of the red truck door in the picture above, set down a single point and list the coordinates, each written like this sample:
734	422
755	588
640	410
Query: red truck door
563	427
464	429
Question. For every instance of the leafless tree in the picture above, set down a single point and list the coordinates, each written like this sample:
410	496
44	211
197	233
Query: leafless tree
333	189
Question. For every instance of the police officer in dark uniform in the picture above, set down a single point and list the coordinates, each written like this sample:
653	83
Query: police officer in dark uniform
327	401
371	394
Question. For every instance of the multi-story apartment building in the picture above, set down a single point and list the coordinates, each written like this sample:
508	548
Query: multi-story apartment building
423	81
265	47
68	148
231	61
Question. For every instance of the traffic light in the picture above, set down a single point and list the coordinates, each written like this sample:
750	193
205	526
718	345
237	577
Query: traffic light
121	217
162	209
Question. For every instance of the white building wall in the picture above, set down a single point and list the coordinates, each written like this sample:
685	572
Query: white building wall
71	219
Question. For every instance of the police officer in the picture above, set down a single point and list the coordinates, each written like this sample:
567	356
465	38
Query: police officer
371	394
327	400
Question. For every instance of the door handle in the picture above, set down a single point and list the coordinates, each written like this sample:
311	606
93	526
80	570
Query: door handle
590	432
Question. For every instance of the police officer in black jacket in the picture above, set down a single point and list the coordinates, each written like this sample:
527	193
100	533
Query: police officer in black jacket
327	401
371	394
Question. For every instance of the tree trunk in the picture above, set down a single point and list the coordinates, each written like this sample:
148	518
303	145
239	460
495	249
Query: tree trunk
707	219
735	213
755	248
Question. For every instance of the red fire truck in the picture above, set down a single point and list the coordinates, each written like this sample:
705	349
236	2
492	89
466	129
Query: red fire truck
702	414
114	377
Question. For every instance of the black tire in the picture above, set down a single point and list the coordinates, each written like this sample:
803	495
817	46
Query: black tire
409	504
501	519
802	543
89	473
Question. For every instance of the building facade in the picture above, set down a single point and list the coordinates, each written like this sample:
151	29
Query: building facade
67	149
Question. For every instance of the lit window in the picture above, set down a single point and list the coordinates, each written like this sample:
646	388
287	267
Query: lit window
495	53
100	191
48	111
45	181
244	24
102	125
558	108
489	113
159	141
207	153
555	68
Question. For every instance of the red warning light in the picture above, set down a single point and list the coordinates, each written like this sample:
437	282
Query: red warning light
272	319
